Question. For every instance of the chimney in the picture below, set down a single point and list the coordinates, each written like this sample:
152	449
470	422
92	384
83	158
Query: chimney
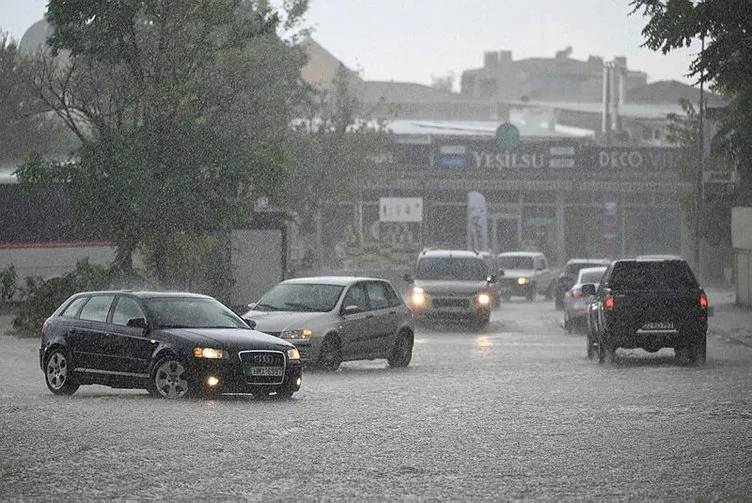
490	59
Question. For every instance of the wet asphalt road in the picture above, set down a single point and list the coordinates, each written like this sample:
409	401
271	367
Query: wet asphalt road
514	412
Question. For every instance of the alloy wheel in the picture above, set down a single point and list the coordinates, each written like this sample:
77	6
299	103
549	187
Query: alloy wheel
57	370
170	379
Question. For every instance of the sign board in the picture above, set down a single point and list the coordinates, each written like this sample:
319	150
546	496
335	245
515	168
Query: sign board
401	209
507	136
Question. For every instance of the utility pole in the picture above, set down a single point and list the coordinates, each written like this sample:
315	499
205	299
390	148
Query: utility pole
699	189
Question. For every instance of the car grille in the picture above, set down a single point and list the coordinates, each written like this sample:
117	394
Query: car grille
450	302
262	360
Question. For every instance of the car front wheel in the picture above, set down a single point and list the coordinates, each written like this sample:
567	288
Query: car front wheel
330	356
698	351
58	375
591	348
402	352
171	379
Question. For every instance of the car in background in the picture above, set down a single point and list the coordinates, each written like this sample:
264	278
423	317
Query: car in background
576	304
172	344
568	276
526	274
452	285
335	319
650	303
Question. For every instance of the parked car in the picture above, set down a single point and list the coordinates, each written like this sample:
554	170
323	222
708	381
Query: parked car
576	303
568	276
336	319
650	304
526	274
172	344
452	285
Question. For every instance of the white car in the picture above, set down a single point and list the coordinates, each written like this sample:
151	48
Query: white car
526	274
576	304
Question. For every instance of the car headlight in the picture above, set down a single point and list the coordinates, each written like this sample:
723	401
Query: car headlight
418	297
208	353
293	354
304	333
484	299
523	281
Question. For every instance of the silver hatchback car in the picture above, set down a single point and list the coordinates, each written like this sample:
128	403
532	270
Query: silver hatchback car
335	319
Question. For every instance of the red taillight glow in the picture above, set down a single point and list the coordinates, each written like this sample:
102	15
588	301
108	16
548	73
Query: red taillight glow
577	293
45	327
608	302
703	301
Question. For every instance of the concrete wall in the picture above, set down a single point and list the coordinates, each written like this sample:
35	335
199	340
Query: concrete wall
49	262
741	240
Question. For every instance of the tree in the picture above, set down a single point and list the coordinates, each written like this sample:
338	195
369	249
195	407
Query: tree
726	63
443	83
333	155
23	126
181	109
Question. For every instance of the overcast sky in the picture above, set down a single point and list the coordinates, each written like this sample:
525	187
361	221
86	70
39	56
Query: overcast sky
411	40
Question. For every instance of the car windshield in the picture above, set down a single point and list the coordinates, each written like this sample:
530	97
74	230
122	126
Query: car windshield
192	312
451	268
591	275
307	297
515	262
668	275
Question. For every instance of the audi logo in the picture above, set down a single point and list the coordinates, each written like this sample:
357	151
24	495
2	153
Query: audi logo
266	359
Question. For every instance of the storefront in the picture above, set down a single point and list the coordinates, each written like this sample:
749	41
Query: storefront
565	197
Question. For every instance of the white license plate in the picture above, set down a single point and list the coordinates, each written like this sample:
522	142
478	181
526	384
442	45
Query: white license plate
266	371
658	325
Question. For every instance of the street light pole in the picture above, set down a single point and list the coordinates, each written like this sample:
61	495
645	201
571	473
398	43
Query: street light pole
699	189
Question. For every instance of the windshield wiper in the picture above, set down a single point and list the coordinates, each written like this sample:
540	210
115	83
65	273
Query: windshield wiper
300	306
269	307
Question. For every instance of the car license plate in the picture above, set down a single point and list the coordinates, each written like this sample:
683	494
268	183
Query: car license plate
658	325
266	371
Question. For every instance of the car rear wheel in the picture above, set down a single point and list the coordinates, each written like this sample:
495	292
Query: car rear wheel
58	375
531	294
606	353
330	356
698	351
591	348
171	379
402	352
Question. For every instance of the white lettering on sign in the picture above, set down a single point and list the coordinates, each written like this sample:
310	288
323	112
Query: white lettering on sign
401	209
621	159
508	160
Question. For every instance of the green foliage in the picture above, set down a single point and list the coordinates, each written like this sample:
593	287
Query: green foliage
8	280
726	63
40	297
182	109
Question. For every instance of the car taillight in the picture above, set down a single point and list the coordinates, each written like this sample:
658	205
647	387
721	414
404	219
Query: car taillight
45	327
703	301
608	302
577	293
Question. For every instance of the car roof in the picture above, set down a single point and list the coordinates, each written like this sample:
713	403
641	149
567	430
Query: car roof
651	258
588	261
330	280
586	270
521	254
147	294
659	257
450	254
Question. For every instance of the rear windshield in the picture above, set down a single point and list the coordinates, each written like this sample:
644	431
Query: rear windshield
516	262
574	268
669	275
591	276
458	269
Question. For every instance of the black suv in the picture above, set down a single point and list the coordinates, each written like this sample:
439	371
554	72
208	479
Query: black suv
649	303
172	344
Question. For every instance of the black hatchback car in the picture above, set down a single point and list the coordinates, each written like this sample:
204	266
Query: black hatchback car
172	344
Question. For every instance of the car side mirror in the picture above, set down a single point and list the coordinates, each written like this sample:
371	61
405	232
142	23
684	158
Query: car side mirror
251	324
138	323
348	310
588	289
491	278
408	278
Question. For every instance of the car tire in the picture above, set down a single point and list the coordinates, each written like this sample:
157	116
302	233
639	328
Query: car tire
402	352
698	351
58	375
531	294
681	354
330	354
170	378
567	323
506	297
606	353
591	348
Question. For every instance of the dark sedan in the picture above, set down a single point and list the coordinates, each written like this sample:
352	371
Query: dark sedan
172	344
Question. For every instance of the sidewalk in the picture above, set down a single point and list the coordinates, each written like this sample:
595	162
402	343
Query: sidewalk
729	321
